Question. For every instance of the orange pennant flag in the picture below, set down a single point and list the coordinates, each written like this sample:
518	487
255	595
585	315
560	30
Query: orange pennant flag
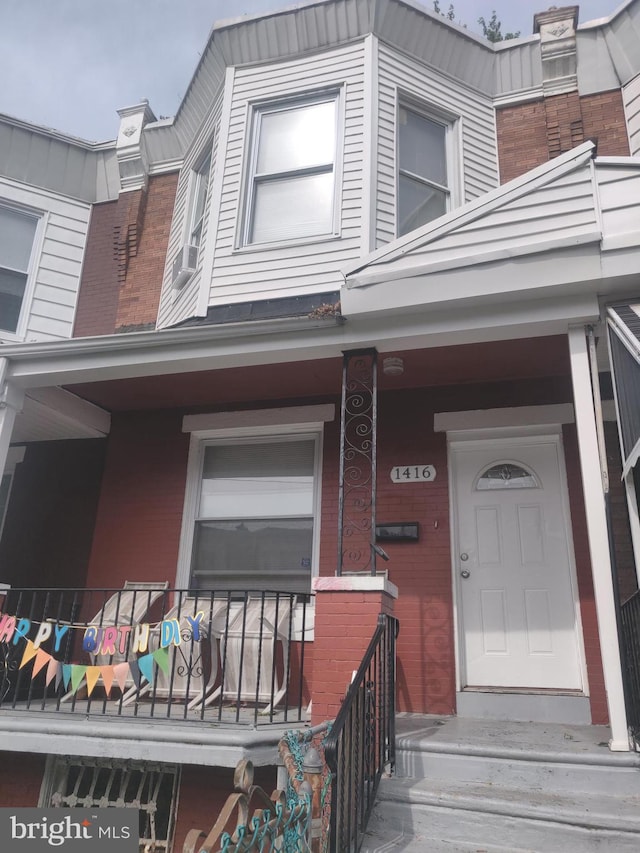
121	673
52	670
42	658
92	675
107	678
29	652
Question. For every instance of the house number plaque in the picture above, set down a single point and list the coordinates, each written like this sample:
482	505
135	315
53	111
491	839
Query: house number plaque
413	473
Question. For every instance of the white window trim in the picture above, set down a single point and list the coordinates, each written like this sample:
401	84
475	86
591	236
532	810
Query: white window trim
188	224
453	146
202	436
34	262
254	110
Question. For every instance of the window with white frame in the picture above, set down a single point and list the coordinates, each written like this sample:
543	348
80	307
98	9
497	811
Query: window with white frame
255	513
424	179
17	235
292	179
199	200
150	789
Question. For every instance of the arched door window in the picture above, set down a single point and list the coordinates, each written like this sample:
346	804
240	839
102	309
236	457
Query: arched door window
506	475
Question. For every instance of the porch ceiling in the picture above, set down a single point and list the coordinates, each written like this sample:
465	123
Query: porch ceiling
439	366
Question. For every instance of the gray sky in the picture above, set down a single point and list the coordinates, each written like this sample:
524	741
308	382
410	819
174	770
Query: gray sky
70	64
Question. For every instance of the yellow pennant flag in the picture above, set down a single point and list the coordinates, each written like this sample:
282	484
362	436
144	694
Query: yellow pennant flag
92	675
42	658
29	652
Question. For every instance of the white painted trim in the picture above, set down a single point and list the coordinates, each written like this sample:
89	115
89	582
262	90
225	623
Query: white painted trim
309	416
238	433
370	119
355	583
523	416
15	455
598	538
72	409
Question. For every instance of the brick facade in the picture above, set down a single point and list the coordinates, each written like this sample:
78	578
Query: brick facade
532	133
125	260
21	779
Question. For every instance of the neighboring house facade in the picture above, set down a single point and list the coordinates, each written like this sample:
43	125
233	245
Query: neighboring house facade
185	312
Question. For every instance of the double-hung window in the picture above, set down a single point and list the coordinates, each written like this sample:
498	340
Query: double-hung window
424	182
292	180
17	235
255	514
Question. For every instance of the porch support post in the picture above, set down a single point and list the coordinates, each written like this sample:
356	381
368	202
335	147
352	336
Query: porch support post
598	537
11	400
357	488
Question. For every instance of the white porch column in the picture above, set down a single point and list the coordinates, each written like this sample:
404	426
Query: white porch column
598	537
11	400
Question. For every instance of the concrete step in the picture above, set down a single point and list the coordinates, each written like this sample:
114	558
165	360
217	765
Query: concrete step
396	827
465	785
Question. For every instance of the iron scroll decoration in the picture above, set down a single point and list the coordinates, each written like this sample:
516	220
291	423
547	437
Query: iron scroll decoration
356	506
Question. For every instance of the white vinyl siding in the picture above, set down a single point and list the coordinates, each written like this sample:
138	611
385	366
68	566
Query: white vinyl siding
49	303
400	77
260	271
631	100
179	305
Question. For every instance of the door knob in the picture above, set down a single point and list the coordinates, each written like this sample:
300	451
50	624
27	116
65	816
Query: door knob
465	573
464	557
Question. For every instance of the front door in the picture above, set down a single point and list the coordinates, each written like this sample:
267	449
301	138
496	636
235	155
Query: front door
516	601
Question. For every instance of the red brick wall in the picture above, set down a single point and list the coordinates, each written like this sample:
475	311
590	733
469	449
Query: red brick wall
533	133
140	509
204	791
20	779
125	258
48	531
140	292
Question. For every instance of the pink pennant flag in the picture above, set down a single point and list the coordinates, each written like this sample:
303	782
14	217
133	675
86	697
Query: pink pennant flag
120	674
52	670
42	658
107	677
29	652
92	675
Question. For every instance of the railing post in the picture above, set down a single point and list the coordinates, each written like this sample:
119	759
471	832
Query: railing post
312	769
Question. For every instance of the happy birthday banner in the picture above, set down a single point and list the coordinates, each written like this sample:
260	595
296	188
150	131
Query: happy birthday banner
97	640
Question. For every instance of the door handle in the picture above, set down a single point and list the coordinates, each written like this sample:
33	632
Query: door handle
465	573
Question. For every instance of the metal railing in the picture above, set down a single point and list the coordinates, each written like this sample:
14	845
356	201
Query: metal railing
361	744
148	651
630	624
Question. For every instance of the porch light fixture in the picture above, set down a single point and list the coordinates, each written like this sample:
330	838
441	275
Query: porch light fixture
393	366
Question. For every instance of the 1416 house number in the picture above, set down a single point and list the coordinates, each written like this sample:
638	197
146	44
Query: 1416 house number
413	473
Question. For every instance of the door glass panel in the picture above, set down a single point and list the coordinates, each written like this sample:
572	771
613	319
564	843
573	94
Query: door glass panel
506	475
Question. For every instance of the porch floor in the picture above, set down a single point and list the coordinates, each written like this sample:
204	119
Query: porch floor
523	740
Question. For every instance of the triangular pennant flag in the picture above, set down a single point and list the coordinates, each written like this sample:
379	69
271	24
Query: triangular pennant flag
53	671
146	666
161	657
121	673
29	652
107	678
66	674
93	674
77	674
42	658
135	672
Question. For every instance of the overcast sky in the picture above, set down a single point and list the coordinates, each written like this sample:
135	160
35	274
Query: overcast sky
70	64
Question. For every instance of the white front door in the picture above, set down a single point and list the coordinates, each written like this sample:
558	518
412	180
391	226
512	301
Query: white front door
516	601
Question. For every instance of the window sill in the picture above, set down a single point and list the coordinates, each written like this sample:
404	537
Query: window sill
286	244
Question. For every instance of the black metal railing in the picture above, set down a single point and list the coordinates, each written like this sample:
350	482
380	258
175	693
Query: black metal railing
630	624
361	744
148	651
